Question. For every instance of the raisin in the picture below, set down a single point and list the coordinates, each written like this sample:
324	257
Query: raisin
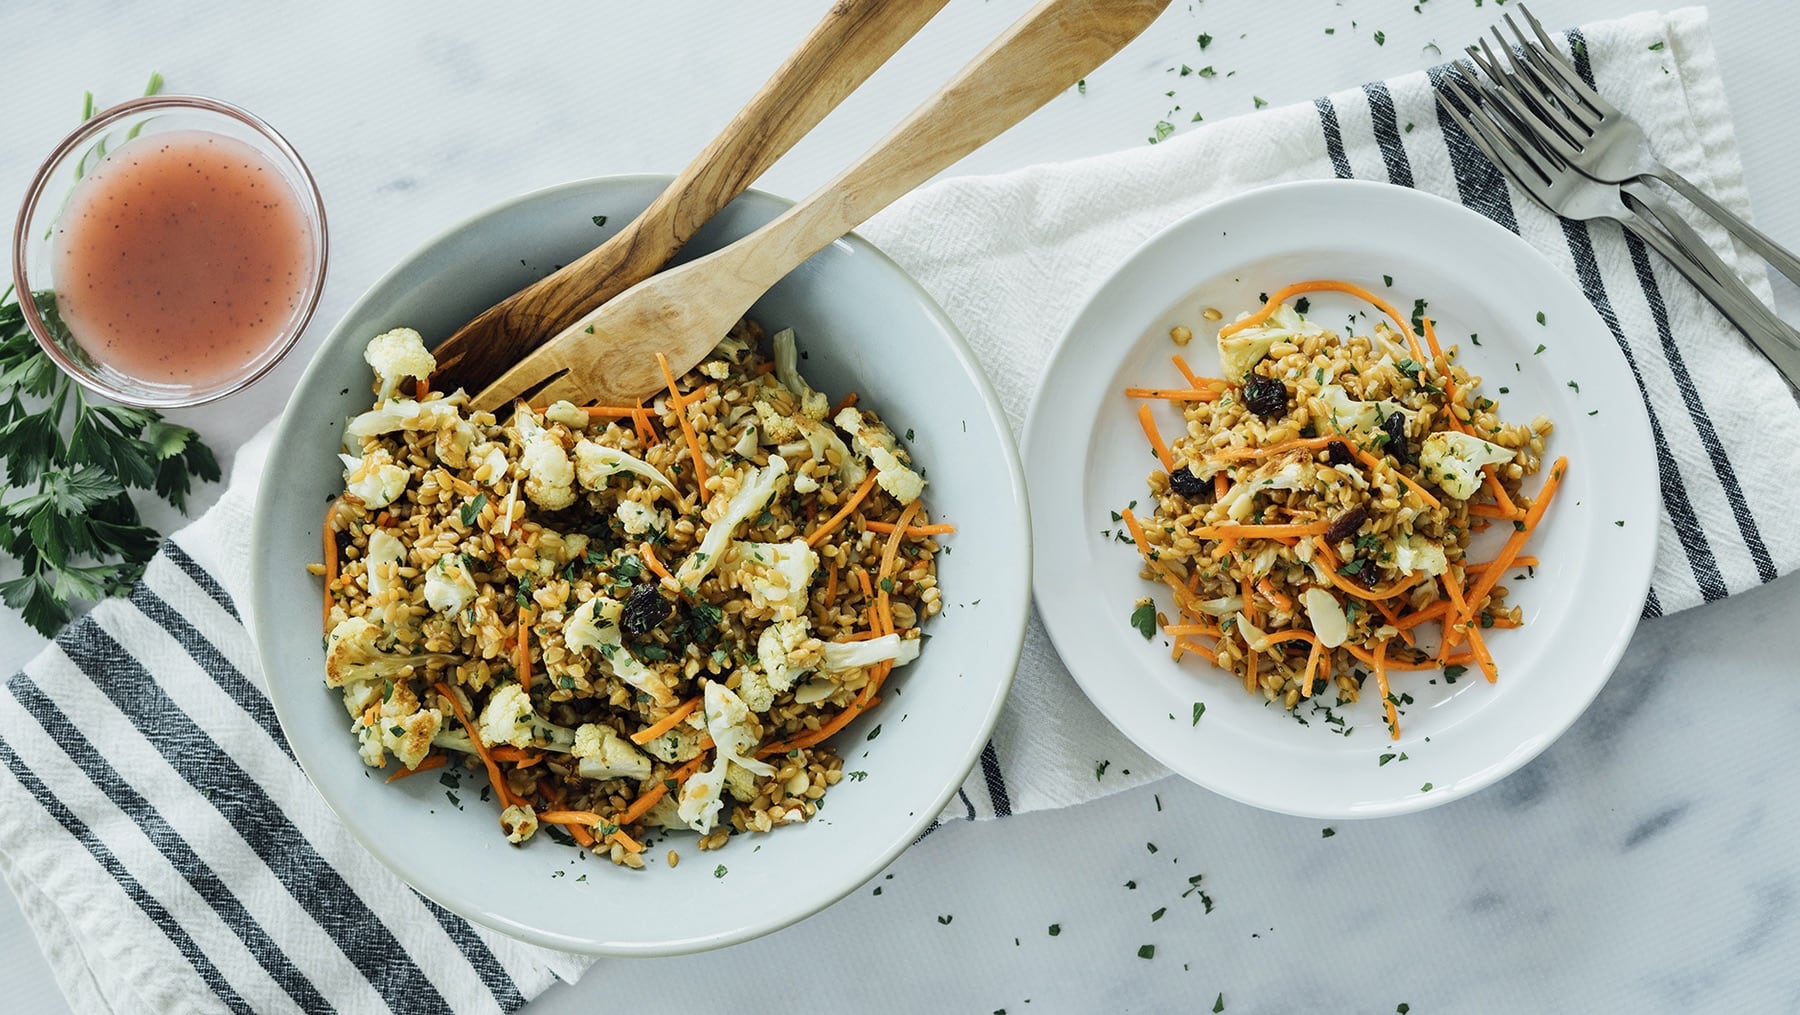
644	609
1184	482
1395	428
1266	396
1347	523
1337	453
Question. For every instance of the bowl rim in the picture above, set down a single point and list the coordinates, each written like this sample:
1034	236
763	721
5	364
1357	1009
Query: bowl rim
1009	630
311	200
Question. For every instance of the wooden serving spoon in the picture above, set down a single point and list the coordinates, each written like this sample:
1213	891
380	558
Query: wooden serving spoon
610	354
854	38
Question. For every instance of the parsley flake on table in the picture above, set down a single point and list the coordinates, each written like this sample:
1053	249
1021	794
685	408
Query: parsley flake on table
600	220
1100	769
1259	101
1380	38
1055	929
945	920
1219	1003
1146	951
1143	617
1204	40
1158	914
1425	788
1326	833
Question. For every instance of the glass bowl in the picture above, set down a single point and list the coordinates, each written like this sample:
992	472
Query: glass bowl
116	129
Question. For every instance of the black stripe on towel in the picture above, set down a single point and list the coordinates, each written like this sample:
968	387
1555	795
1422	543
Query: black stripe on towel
1387	133
499	983
1690	395
201	577
996	783
968	805
215	775
1674	489
1480	186
1652	606
934	826
1334	137
168	842
128	884
210	659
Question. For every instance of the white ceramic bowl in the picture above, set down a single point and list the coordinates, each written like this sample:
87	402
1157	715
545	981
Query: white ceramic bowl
863	324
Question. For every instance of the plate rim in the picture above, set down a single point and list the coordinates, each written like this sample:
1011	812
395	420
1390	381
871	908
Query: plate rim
1640	438
1009	629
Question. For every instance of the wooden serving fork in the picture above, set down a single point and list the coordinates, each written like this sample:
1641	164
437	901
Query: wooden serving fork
854	38
610	355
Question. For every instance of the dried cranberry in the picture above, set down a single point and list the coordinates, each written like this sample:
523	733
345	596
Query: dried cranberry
644	609
1338	453
1266	396
1184	482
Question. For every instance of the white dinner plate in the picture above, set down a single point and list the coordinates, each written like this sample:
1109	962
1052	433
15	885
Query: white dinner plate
1086	457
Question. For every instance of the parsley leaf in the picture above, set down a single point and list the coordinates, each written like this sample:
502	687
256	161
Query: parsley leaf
1144	619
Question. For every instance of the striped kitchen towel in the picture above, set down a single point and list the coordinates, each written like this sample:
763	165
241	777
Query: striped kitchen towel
172	856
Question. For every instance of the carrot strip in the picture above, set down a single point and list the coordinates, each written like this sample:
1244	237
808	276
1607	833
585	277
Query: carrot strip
1193	379
831	582
1312	662
1269	593
1523	560
588	819
582	836
1281	295
818	535
1514	543
687	428
667	722
1272	639
1136	529
1297	444
656	566
1505	502
911	530
843	403
1368	658
1398	586
888	555
495	779
1431	339
331	560
421	388
1209	630
1199	650
1260	531
1478	645
611	411
431	761
862	579
1417	617
765	367
1221	486
647	799
1174	394
507	752
1393	618
1493	511
1381	684
1506	622
1148	422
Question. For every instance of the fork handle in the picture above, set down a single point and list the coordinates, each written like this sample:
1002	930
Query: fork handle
1777	340
1781	257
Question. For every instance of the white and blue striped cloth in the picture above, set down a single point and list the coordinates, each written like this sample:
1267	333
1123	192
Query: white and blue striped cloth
172	856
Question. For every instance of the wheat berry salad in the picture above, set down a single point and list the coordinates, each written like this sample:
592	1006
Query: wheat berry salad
1314	518
630	619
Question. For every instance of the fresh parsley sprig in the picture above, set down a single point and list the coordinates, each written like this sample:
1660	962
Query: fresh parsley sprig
66	513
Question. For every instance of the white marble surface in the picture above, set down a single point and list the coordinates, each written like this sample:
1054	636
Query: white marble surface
1644	863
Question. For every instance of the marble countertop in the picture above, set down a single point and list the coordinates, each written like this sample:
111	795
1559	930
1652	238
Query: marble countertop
1642	863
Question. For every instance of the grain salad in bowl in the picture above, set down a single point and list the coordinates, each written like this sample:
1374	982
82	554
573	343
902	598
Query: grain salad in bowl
1314	520
631	620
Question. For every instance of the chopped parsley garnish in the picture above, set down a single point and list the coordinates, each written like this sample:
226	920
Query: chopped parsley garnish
1158	914
1540	317
1385	758
945	919
1380	38
1199	710
1219	1002
1387	280
1326	833
1151	846
1144	619
1204	40
720	871
1147	951
1425	788
874	732
471	511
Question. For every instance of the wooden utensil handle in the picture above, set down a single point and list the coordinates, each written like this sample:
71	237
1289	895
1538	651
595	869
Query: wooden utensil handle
853	39
1042	54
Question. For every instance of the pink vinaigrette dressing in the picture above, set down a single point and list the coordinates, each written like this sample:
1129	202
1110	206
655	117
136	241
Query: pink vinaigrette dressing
181	257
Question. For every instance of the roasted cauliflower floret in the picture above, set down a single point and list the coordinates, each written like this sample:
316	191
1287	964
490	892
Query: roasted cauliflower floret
549	475
568	414
784	651
813	404
519	822
407	414
374	479
449	587
776	575
1242	350
875	441
404	727
594	625
397	355
730	723
858	654
351	654
595	463
386	554
752	495
1454	460
638	520
603	754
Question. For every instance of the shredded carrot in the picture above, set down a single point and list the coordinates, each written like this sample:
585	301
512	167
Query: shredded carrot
1312	663
1250	672
1274	638
656	566
582	836
1381	684
1162	450
647	799
1137	532
1221	486
421	388
859	636
1269	593
525	757
888	555
862	580
1506	622
818	535
765	367
1259	531
1193	379
843	403
1368	658
495	779
331	560
831	582
1431	339
667	722
1281	295
1505	502
1478	646
522	661
1398	586
1297	444
431	761
611	411
1493	511
1417	617
1175	394
1199	650
687	428
641	420
1490	576
1210	630
1392	616
588	819
911	530
383	520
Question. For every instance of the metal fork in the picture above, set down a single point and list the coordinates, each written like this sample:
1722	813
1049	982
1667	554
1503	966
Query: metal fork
1565	191
1592	135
